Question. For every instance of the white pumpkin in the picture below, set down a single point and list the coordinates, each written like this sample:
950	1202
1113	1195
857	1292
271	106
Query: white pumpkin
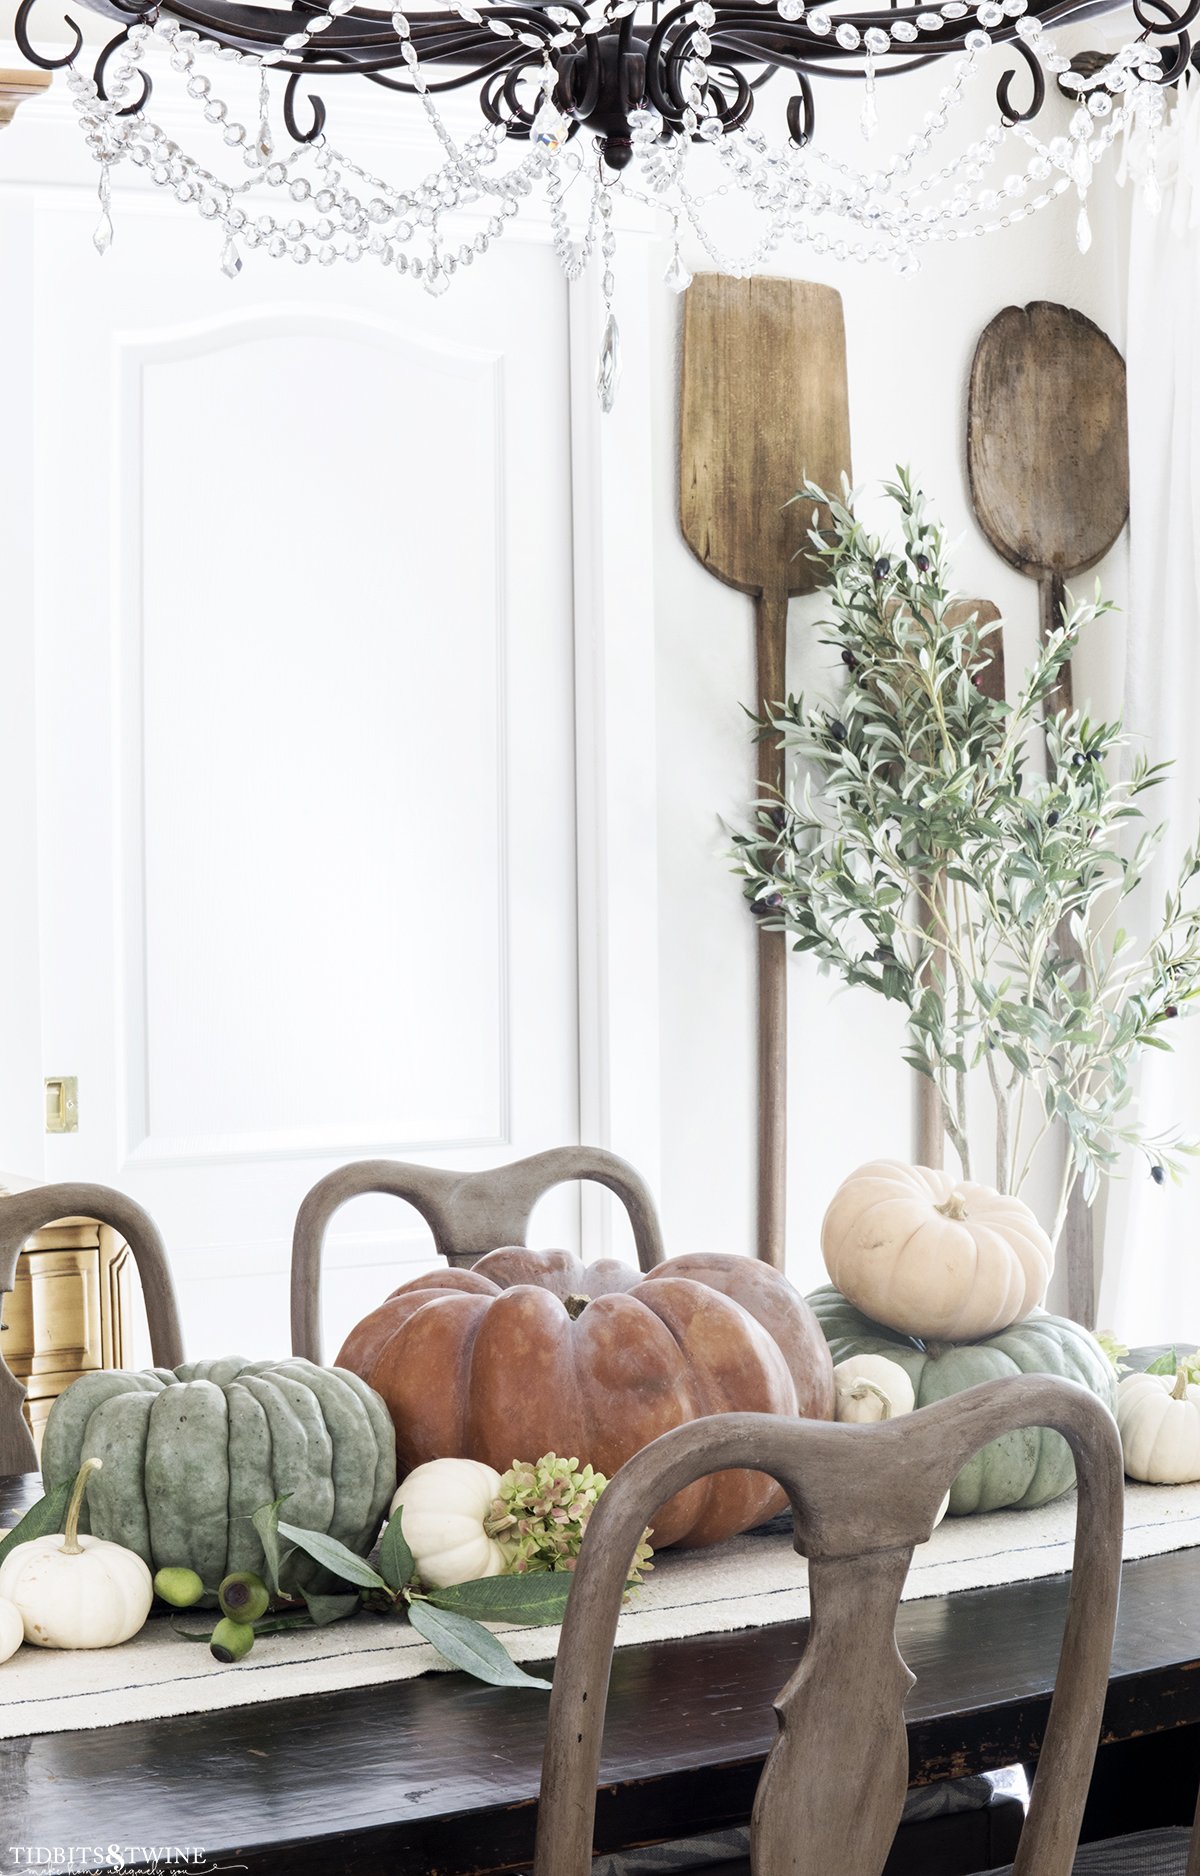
12	1629
932	1256
73	1591
447	1503
868	1389
1159	1420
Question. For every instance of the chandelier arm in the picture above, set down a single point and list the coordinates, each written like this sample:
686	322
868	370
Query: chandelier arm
508	91
801	112
475	75
585	103
1171	22
735	114
28	50
290	119
806	67
1008	111
1172	73
101	67
518	121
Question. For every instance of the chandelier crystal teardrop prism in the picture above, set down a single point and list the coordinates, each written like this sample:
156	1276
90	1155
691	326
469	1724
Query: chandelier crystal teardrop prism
583	100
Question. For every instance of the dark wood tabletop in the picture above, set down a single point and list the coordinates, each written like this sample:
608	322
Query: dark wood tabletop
439	1776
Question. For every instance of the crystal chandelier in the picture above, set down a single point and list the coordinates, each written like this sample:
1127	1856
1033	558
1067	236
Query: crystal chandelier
583	99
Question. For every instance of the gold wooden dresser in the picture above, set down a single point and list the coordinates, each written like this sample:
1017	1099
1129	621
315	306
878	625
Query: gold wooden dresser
69	1311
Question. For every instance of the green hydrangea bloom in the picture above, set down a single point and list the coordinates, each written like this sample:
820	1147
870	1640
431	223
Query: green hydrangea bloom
541	1513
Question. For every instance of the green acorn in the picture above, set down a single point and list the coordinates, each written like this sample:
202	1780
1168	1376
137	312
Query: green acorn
244	1597
230	1640
178	1586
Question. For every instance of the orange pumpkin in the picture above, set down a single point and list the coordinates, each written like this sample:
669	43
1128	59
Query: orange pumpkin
532	1352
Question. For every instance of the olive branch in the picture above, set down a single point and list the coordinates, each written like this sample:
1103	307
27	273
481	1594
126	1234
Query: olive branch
914	850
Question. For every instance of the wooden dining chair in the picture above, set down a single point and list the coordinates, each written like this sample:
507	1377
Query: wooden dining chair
832	1790
23	1213
468	1213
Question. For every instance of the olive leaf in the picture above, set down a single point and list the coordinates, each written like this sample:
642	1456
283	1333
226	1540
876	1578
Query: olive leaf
266	1522
1174	1360
326	1609
396	1562
535	1600
334	1556
280	1624
1166	1364
467	1644
267	1625
41	1520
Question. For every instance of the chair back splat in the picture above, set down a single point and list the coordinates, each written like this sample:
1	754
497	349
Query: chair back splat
23	1213
832	1789
468	1213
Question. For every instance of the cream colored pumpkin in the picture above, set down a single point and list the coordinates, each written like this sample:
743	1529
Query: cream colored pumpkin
77	1592
934	1257
1159	1420
12	1629
447	1503
869	1389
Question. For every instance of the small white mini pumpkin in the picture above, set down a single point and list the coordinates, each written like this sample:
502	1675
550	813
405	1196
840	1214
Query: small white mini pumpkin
1159	1420
447	1504
12	1629
73	1591
945	1260
869	1389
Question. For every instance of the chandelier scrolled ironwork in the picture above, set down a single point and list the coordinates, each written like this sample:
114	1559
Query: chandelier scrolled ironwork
618	97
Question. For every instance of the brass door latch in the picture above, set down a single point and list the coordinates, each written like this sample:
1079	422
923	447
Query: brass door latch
62	1104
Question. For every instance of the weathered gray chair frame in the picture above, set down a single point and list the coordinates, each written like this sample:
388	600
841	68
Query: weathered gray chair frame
833	1786
468	1213
23	1213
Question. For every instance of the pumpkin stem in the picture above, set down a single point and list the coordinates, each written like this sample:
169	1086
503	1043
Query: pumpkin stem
1179	1391
71	1545
575	1306
955	1207
862	1388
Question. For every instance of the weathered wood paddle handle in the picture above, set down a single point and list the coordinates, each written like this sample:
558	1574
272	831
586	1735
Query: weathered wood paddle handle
771	678
1052	595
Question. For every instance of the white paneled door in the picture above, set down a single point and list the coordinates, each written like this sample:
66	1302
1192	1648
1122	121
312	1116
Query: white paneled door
305	723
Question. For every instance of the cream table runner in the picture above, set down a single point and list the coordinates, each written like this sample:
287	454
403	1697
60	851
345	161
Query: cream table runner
749	1582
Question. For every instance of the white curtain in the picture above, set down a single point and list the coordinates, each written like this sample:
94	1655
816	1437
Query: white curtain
1150	1286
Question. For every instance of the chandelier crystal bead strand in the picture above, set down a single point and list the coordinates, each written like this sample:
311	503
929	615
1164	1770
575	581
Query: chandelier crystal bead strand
589	100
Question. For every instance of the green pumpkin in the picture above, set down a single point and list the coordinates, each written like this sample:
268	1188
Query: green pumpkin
188	1455
1023	1469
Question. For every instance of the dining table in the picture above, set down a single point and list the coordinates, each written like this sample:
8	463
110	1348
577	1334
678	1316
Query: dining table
438	1776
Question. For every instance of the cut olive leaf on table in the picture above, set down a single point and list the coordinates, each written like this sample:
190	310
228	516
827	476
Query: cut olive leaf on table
266	1522
396	1561
267	1625
334	1556
327	1609
535	1600
466	1644
41	1520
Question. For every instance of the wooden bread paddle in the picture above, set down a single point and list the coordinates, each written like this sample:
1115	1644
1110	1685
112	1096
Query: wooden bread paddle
1048	449
1048	457
764	407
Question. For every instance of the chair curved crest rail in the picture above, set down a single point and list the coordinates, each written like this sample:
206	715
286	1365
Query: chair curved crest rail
832	1790
469	1213
23	1213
